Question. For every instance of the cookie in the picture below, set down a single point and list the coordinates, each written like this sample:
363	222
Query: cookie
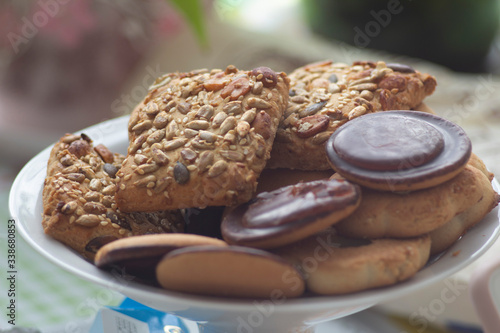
201	139
445	236
79	207
324	96
383	214
231	271
477	163
290	213
399	150
139	255
334	265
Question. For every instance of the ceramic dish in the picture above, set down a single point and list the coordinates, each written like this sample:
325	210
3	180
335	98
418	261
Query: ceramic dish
219	314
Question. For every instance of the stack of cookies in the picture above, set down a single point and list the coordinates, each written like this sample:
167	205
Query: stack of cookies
318	191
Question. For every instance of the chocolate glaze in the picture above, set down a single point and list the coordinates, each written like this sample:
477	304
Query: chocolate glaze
135	255
295	202
389	143
452	156
286	210
139	261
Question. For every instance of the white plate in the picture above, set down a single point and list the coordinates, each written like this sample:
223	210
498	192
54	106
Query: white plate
230	315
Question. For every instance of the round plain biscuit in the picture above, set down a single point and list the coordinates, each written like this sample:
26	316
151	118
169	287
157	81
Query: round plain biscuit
231	271
384	214
337	265
445	236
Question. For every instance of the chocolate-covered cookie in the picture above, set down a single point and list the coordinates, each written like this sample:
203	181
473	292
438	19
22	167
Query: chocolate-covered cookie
399	150
290	213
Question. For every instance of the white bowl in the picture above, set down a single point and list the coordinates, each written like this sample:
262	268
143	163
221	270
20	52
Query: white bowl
220	314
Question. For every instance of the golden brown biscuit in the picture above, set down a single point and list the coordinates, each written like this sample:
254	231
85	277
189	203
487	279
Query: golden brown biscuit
139	255
335	265
290	213
445	236
79	208
231	271
326	95
201	139
384	214
477	163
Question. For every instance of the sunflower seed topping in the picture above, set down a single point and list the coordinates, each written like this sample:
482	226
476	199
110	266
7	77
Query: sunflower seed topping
198	124
205	160
218	168
88	220
206	111
258	103
174	144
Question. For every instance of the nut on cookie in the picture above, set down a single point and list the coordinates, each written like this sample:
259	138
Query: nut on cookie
201	139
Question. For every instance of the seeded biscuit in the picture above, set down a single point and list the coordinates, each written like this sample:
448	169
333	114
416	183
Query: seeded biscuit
201	139
79	208
324	96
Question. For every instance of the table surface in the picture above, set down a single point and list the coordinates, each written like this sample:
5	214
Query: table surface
56	301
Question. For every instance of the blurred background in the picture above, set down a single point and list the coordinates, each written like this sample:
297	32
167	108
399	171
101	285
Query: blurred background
69	64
